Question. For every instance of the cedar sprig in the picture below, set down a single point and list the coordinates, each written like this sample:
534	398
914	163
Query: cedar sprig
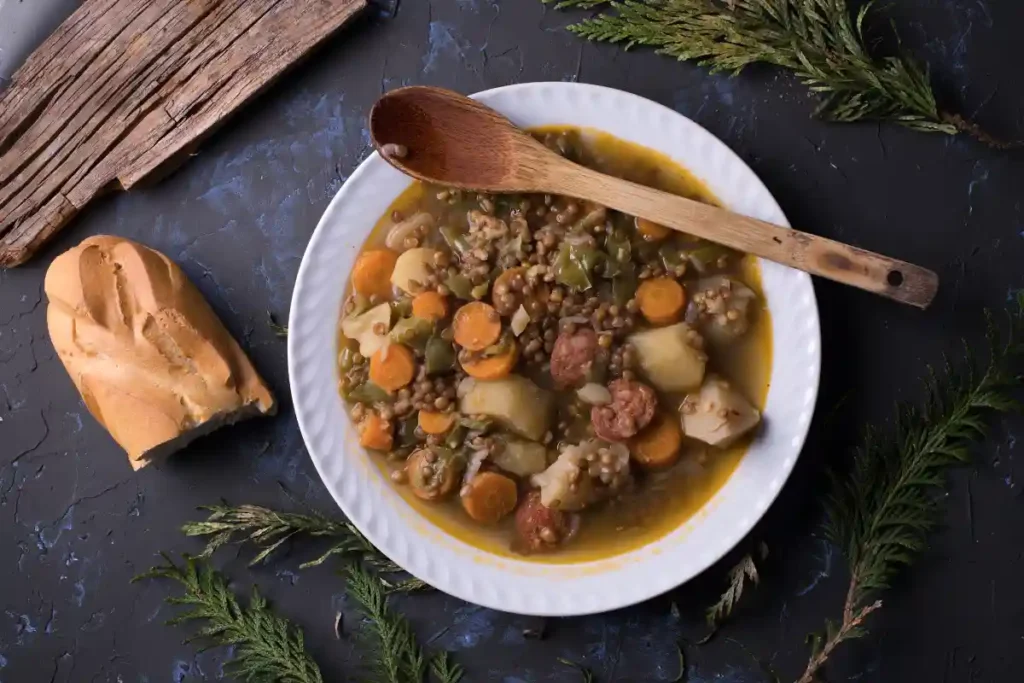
268	648
745	570
268	529
821	41
881	511
392	645
444	670
586	675
277	328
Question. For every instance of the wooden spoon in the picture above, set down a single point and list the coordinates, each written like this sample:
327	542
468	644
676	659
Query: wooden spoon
446	138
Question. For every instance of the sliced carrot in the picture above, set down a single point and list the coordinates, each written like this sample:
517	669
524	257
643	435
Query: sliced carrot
657	446
392	367
374	433
651	231
436	423
477	325
492	367
489	497
430	306
371	276
661	300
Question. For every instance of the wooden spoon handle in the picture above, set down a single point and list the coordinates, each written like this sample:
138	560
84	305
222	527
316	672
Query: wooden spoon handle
898	280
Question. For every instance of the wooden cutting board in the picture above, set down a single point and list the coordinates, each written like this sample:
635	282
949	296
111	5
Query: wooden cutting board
125	89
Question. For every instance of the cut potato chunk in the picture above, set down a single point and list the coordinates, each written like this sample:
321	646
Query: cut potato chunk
522	458
718	415
583	474
668	358
361	328
516	402
411	270
725	308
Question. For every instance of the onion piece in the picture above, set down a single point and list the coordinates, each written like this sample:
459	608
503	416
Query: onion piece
692	314
465	386
476	461
520	320
594	394
415	226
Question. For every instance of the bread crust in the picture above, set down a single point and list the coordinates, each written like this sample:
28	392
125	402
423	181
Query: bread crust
153	363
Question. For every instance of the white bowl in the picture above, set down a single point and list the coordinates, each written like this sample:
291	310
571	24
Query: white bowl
519	586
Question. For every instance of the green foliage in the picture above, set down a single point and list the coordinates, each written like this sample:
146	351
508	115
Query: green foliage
268	648
268	529
881	511
277	328
586	675
444	670
744	570
818	40
398	657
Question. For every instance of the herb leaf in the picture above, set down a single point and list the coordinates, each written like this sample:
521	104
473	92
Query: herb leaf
268	647
586	675
398	656
744	570
881	511
277	328
269	529
821	41
444	670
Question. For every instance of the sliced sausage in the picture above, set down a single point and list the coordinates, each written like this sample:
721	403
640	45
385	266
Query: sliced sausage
540	529
572	357
632	408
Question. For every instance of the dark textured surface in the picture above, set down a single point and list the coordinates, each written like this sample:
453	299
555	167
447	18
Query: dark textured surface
76	524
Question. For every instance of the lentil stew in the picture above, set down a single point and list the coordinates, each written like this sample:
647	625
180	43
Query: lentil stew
546	378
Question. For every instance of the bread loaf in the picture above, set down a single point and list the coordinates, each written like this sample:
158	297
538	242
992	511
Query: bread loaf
149	356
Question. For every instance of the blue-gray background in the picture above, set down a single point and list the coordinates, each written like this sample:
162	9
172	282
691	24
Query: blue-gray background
76	524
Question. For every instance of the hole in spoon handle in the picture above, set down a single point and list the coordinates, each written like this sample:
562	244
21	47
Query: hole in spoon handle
893	279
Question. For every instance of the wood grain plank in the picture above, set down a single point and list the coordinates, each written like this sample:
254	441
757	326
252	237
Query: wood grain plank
285	34
124	88
56	145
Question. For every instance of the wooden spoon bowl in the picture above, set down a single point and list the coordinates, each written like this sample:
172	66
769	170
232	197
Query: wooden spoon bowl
445	138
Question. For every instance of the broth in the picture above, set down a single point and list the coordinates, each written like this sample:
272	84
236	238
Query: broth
654	503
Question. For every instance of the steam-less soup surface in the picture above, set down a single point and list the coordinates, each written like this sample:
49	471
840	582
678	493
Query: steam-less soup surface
544	377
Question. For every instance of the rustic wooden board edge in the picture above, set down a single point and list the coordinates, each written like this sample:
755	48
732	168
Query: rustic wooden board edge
173	144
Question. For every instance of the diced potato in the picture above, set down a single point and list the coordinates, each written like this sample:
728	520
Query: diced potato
411	267
668	359
555	483
567	483
516	402
361	328
725	316
522	458
718	415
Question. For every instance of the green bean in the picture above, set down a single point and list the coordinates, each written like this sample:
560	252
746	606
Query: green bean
439	356
412	331
706	255
460	286
455	240
624	287
368	392
346	359
618	247
407	431
401	308
455	437
671	256
575	265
